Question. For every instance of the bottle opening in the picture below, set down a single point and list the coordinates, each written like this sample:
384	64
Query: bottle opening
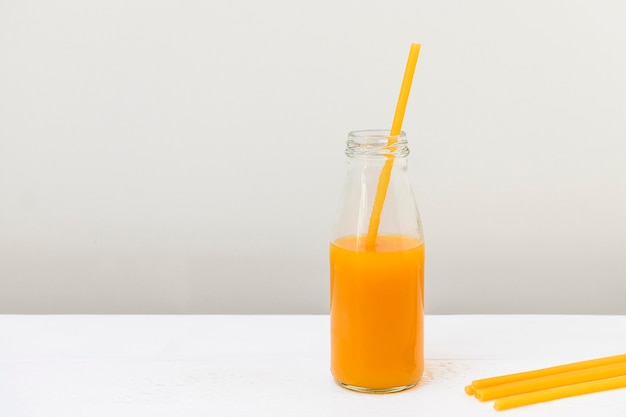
373	143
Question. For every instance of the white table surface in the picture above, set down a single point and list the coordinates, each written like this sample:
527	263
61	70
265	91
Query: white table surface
277	366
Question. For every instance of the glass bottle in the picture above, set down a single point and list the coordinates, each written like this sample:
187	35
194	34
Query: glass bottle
377	282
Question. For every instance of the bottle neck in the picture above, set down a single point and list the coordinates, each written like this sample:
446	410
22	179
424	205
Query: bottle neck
369	155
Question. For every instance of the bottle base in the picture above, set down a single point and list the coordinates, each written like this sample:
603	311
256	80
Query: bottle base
365	390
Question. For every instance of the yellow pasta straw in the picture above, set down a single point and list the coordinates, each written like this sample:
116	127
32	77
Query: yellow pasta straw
396	128
560	392
547	384
575	366
551	381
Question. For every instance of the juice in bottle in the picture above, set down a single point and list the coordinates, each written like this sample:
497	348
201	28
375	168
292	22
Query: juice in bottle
376	302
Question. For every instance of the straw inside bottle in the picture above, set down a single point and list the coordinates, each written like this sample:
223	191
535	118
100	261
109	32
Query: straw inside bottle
396	128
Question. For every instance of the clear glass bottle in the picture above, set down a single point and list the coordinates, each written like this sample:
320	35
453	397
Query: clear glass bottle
377	282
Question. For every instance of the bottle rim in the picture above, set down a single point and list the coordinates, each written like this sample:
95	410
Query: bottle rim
375	143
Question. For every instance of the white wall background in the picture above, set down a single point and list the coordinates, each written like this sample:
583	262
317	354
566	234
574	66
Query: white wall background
187	156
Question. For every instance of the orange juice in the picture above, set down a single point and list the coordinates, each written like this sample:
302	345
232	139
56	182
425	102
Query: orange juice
377	312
